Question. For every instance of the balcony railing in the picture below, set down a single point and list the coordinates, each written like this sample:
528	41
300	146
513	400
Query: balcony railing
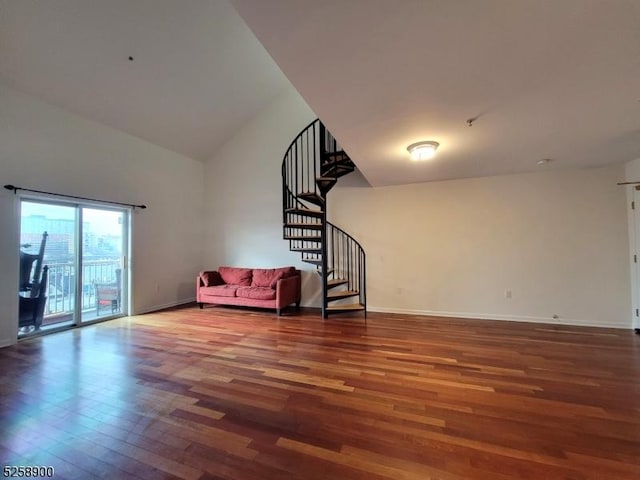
61	284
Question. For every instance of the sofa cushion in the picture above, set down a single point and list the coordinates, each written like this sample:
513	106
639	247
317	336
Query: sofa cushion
210	279
266	277
236	276
256	293
220	290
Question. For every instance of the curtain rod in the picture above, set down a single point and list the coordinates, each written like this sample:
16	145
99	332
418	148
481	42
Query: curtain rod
15	190
627	183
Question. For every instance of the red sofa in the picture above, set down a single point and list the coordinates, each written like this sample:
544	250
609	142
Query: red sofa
251	287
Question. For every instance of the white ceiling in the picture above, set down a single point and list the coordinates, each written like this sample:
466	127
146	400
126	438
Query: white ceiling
198	73
556	79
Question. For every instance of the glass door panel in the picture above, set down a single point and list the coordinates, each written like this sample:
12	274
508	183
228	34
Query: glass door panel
47	284
103	260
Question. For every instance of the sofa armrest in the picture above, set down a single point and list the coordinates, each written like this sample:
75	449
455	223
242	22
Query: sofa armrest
288	291
214	279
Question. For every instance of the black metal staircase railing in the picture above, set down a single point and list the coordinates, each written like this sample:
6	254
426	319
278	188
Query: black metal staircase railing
346	260
310	168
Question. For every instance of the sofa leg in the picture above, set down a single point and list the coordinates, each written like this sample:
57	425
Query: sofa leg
201	305
298	305
279	310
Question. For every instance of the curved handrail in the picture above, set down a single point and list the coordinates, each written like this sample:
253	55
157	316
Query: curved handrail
345	233
317	120
346	259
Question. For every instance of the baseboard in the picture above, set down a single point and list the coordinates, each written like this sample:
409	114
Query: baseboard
509	318
155	308
311	305
434	313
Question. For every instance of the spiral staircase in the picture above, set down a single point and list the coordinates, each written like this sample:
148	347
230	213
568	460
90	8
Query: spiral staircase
311	167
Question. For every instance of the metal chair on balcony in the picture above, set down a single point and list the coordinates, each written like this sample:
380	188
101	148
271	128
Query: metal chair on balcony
31	309
33	288
108	294
31	269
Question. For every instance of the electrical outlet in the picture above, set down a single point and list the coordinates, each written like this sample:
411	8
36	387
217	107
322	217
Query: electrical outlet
508	294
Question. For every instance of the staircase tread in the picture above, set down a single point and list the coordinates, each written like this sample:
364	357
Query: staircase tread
310	226
304	249
338	172
334	282
312	211
344	161
304	238
336	166
311	197
309	194
342	294
350	307
342	174
326	183
314	261
337	153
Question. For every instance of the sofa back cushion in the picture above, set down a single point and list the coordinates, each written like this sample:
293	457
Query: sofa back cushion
266	277
236	276
210	279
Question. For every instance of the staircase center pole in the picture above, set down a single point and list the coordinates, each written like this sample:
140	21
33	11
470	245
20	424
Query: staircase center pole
325	261
322	149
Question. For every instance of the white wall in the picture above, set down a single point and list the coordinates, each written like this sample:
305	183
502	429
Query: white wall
557	240
244	194
45	148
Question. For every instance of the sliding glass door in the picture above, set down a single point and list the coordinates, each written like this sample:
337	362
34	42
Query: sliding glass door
73	267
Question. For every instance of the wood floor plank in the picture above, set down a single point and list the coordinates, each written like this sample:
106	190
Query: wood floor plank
234	394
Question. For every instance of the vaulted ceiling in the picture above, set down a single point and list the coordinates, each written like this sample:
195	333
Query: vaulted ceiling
197	74
540	79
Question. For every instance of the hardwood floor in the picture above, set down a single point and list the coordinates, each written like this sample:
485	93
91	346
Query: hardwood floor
237	394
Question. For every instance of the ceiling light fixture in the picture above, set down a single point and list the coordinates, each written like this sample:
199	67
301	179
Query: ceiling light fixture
423	150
